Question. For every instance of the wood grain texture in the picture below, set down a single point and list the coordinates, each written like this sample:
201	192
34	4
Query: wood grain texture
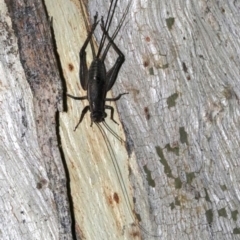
100	209
182	64
34	202
180	119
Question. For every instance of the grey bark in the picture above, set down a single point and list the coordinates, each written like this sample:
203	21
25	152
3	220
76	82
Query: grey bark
34	201
182	115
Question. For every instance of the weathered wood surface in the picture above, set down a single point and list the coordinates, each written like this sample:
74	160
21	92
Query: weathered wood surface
182	116
181	120
34	202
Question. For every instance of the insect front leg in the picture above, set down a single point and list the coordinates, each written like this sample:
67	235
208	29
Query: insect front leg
112	112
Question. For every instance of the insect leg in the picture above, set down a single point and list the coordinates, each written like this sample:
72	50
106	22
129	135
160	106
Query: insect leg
116	98
112	112
113	72
83	73
76	98
87	27
84	111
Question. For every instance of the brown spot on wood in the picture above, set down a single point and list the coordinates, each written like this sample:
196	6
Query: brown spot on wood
135	234
70	67
116	197
72	164
146	112
110	200
42	183
146	63
188	78
147	39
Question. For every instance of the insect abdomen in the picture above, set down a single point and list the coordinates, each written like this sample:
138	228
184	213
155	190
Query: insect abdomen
97	73
97	86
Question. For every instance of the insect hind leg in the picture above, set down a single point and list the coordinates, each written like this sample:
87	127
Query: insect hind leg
113	72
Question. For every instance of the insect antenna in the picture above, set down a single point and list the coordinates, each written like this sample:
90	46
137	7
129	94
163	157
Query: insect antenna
113	133
120	179
88	29
116	166
116	30
107	25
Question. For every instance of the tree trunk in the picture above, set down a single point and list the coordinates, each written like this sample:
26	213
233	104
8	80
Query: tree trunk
180	119
34	202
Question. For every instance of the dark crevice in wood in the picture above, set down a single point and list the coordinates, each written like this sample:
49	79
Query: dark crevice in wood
71	205
64	99
59	66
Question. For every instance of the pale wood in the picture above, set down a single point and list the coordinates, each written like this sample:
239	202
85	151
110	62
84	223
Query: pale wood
93	178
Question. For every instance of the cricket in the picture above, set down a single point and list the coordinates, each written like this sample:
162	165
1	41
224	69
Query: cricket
96	80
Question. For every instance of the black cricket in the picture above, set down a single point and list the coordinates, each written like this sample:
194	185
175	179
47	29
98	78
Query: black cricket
96	80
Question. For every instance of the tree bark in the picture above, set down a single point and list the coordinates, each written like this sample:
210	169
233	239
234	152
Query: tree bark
180	119
34	199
